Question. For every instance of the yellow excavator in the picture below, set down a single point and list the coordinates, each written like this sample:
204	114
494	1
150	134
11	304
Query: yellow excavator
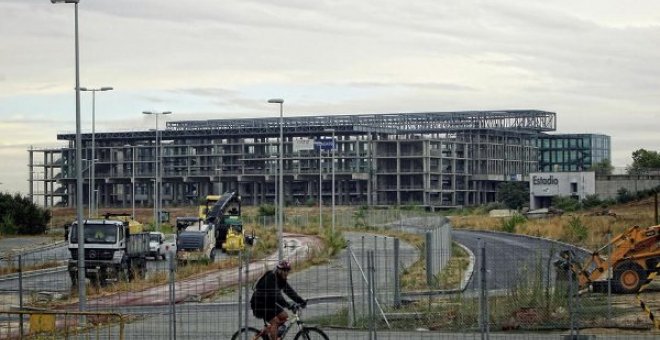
635	254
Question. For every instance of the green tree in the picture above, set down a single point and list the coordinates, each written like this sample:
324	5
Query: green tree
19	215
643	160
514	195
603	168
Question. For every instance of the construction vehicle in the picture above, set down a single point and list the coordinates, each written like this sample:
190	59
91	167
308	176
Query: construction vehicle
195	241
225	215
635	254
112	252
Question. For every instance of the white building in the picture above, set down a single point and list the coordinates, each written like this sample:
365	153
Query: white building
543	186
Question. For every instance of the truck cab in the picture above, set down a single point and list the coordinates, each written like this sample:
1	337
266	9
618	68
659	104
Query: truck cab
156	240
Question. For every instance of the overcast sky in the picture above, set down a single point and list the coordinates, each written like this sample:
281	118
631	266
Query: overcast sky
595	63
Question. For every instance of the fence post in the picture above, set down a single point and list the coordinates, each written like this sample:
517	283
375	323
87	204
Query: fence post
397	293
20	293
570	302
386	288
240	289
362	259
483	294
351	293
172	268
247	290
609	278
429	259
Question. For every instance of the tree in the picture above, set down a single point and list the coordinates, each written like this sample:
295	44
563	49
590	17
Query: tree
19	215
603	168
643	160
514	195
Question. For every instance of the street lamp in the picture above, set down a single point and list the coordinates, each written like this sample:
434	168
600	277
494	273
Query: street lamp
132	178
280	216
320	185
79	183
159	164
333	176
93	202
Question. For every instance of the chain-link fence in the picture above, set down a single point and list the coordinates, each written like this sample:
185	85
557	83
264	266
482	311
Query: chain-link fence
387	287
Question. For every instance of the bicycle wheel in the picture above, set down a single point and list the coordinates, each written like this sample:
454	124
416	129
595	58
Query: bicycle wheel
310	333
251	334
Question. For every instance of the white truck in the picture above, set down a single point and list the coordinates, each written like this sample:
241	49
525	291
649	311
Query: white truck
112	253
156	240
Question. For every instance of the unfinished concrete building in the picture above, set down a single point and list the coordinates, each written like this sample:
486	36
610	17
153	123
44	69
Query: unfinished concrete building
430	159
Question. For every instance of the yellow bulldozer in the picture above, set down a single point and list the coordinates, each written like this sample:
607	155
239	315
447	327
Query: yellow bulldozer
635	254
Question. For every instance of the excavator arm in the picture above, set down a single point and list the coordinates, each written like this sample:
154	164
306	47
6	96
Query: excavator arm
634	253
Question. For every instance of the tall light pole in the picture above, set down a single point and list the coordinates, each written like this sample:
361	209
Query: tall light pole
159	164
280	216
132	179
320	186
92	182
79	183
333	176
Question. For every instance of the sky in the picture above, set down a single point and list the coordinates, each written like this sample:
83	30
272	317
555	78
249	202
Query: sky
595	63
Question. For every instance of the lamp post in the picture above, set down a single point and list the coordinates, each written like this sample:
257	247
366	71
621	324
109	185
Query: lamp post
320	186
280	216
333	176
79	183
159	164
93	201
132	179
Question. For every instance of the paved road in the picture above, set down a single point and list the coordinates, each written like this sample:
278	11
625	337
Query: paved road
511	258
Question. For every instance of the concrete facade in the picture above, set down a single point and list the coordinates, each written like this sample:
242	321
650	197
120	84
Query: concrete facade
543	186
431	159
607	187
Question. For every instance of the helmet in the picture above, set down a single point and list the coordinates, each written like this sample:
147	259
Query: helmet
284	265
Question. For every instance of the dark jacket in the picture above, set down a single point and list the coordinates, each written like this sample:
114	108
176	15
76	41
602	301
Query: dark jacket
268	295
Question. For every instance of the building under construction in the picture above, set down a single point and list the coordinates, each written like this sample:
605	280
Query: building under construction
431	159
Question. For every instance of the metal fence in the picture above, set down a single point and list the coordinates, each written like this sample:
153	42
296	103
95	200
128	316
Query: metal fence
499	286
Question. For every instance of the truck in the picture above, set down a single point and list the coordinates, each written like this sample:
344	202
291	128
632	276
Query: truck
156	240
635	254
112	252
195	241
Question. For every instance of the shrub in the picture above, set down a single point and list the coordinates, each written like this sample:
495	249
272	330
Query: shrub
591	201
566	203
266	210
577	232
509	224
623	196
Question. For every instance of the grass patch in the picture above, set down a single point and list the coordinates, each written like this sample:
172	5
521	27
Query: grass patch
11	269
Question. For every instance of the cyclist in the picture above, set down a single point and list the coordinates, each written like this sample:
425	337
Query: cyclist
267	301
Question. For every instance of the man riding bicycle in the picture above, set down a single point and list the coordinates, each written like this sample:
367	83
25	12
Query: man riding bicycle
267	301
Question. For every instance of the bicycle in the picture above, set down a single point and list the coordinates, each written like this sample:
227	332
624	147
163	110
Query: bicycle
304	332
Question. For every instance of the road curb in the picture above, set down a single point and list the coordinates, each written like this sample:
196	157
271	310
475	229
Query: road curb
469	271
530	237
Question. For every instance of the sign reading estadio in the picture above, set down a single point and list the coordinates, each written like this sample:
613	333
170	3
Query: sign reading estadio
539	180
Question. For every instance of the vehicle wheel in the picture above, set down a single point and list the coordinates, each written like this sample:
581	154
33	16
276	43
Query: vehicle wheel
251	334
310	333
628	277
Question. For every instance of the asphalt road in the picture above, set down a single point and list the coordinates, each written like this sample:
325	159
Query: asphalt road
511	259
